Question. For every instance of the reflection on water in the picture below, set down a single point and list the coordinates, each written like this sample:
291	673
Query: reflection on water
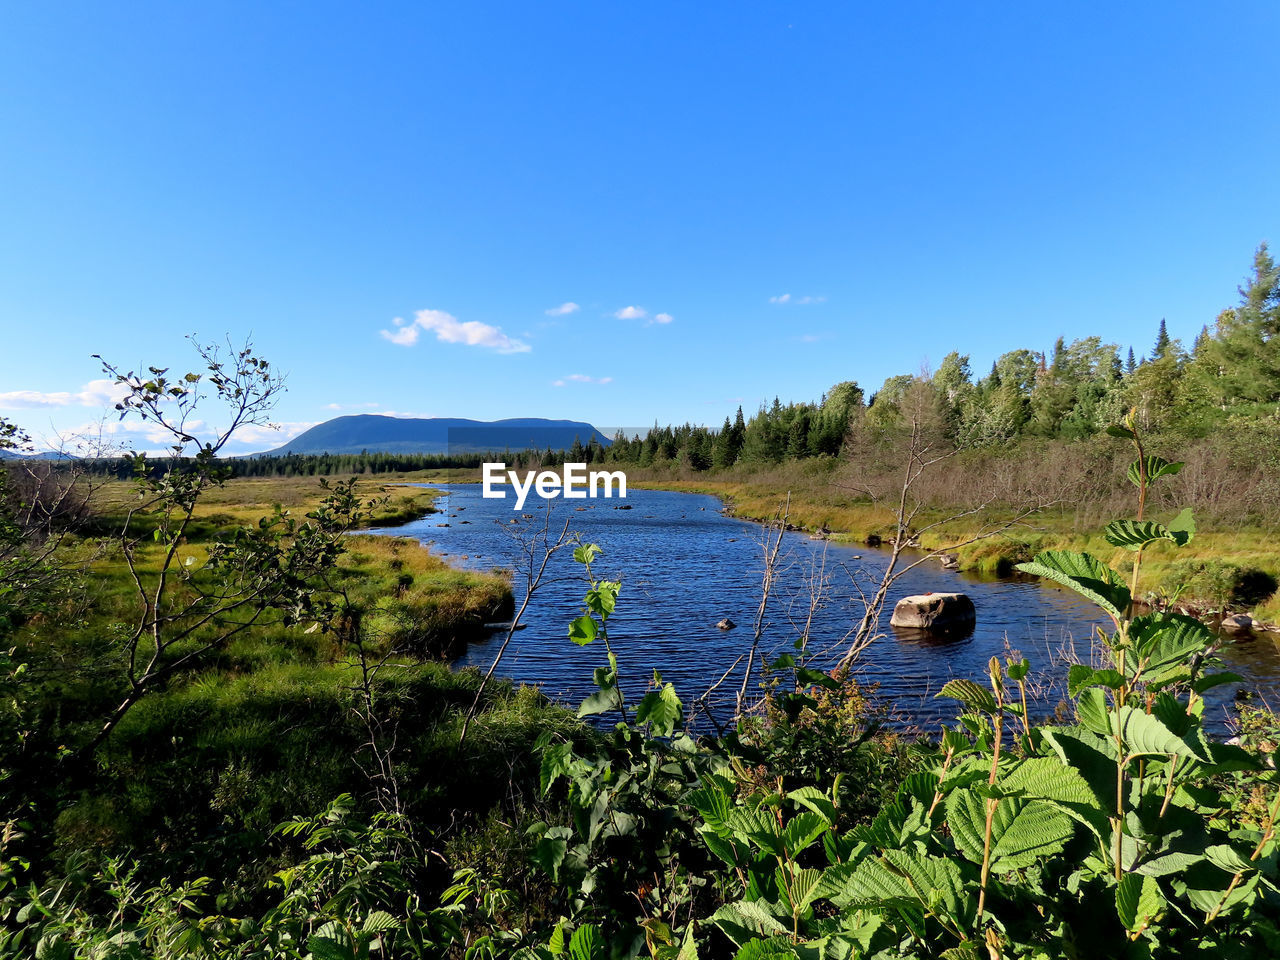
685	566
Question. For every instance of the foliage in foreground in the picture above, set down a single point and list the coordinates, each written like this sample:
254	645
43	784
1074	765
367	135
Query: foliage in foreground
1128	833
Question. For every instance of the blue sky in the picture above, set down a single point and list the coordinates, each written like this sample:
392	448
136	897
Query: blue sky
912	178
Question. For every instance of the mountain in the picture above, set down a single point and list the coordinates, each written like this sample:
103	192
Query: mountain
45	455
380	434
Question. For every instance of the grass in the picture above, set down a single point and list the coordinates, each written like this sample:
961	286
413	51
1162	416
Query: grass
265	726
814	500
416	602
199	776
244	499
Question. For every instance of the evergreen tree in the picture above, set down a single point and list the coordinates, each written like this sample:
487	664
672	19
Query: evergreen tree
1246	346
722	453
1162	342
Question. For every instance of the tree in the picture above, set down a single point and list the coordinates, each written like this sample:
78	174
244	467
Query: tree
1153	388
1246	344
188	608
1162	342
834	413
42	501
721	454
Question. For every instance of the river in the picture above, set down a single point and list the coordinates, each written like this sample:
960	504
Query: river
684	566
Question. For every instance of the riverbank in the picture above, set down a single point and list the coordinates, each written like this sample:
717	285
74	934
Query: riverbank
1208	571
278	720
814	501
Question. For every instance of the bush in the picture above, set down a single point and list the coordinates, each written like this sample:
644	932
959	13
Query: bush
1250	586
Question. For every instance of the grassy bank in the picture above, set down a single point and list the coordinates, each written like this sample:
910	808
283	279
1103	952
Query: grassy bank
244	499
276	721
818	495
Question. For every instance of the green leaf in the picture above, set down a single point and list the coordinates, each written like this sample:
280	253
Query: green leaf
713	804
744	919
1082	675
1209	681
1047	778
803	886
973	696
1229	859
1092	710
815	800
1157	467
1169	863
549	851
775	948
378	921
802	830
758	827
602	701
587	552
1022	832
607	697
1183	526
587	943
809	677
555	763
733	852
1164	640
1135	534
867	884
1138	901
936	883
584	630
661	709
323	948
1145	735
602	598
557	944
689	947
1086	575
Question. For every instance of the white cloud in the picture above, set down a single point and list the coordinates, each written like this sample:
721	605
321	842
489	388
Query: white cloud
787	298
663	318
631	313
405	336
95	393
564	309
449	329
581	378
111	436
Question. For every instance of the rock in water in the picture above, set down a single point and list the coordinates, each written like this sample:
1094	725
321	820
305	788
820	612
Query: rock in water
935	612
726	624
1238	623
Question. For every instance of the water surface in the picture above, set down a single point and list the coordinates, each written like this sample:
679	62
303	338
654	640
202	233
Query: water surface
684	566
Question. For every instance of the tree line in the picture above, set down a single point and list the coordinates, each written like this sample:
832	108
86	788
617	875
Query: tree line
1074	390
345	464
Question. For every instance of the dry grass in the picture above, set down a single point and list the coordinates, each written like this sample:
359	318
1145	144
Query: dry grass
818	499
245	499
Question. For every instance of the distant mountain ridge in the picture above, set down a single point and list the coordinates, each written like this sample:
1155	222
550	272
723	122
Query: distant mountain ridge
376	433
43	455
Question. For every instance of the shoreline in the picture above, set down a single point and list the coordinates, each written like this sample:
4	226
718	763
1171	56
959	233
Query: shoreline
965	561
